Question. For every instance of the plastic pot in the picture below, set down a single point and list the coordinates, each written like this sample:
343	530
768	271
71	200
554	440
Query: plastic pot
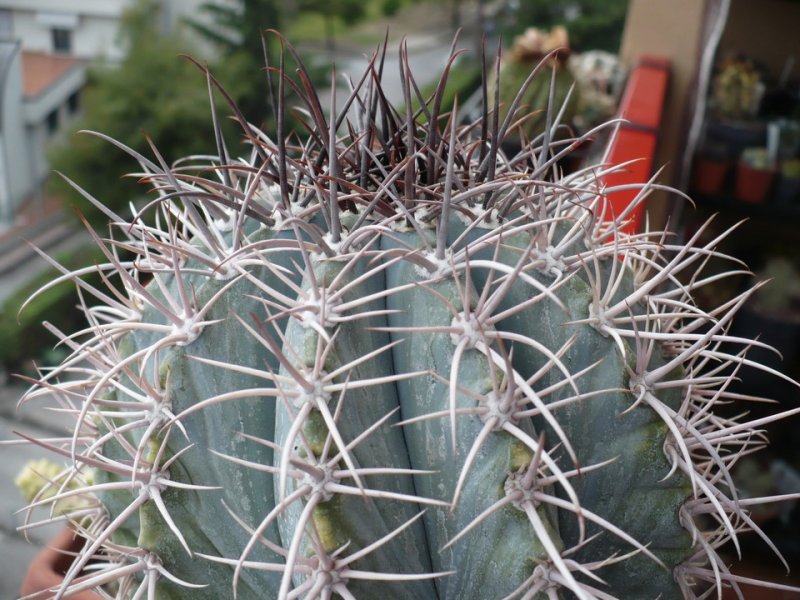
46	571
708	175
753	185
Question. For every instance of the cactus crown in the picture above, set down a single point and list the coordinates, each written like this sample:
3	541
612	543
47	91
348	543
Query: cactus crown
381	357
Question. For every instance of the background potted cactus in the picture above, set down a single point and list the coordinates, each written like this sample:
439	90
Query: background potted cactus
736	90
47	570
49	566
710	169
755	174
376	356
528	50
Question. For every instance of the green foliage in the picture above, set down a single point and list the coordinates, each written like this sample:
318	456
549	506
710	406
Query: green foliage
237	26
347	12
154	92
592	24
22	336
390	7
236	29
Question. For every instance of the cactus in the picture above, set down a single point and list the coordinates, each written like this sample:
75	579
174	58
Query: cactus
525	52
384	359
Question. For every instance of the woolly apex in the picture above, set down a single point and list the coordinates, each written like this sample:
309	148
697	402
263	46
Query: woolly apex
534	44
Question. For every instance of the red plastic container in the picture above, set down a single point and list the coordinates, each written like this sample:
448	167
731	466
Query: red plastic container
708	175
753	185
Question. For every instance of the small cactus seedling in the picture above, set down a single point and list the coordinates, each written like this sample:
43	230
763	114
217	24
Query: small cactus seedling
377	357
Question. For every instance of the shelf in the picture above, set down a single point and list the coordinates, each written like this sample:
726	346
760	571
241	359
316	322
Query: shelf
765	210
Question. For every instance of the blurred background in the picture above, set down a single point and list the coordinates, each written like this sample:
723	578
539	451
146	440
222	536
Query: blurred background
711	89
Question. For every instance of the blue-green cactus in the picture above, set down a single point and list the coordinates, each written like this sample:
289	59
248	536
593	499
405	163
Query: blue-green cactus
393	362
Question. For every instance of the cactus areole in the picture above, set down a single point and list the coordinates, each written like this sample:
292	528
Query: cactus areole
377	357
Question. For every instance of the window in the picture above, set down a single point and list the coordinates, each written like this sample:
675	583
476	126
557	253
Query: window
74	102
52	122
62	40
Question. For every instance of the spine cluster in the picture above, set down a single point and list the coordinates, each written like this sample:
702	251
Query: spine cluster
387	356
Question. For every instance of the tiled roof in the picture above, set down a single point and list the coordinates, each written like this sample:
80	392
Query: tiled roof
40	71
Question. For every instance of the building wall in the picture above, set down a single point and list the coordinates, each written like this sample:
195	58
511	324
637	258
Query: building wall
37	112
16	177
95	7
26	130
752	27
672	30
95	33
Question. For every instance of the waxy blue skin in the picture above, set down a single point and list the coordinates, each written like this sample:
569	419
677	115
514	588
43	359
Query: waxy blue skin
500	554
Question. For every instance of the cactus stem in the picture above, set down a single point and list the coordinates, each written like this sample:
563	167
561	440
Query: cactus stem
489	427
330	571
607	525
256	534
96	542
523	308
294	546
524	277
553	553
318	480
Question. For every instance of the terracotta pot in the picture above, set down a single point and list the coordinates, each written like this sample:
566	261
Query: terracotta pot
47	569
708	175
753	185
